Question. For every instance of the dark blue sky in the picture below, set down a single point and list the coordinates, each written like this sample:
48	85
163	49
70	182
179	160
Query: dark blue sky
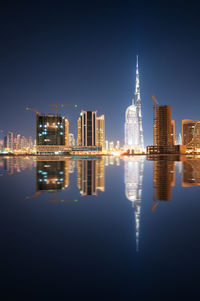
84	53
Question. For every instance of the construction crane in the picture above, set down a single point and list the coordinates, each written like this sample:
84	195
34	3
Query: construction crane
61	106
32	110
154	119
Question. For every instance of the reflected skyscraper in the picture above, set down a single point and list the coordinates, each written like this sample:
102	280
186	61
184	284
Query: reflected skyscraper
164	179
133	120
133	176
191	173
90	176
50	175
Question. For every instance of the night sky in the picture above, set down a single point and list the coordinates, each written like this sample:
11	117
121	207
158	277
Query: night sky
84	53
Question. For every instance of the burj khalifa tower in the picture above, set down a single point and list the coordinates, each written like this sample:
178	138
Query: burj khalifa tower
133	120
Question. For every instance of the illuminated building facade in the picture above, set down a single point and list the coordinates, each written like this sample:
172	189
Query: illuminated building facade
133	176
9	141
111	146
100	132
50	130
164	126
87	128
66	132
164	133
133	120
52	134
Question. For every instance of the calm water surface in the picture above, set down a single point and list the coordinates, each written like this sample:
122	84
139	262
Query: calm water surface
100	228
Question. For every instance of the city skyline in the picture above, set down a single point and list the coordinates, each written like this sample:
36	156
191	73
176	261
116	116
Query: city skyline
55	61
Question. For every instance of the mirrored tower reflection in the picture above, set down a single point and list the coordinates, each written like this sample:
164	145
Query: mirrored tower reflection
90	176
163	180
133	175
191	173
51	176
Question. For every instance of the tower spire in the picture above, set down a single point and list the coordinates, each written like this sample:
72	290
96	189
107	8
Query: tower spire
137	81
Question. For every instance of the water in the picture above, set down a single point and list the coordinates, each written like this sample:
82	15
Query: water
100	228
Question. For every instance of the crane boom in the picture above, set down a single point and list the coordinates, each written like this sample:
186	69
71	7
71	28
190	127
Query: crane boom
32	110
61	106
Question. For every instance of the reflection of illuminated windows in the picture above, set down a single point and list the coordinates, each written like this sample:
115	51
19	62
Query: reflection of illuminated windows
191	173
90	176
52	175
133	175
164	179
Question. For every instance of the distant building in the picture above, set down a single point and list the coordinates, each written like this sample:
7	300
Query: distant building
71	139
111	146
117	145
9	141
106	145
178	139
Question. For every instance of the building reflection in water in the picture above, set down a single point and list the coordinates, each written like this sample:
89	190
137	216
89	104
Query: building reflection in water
191	173
12	165
90	176
50	175
133	175
163	180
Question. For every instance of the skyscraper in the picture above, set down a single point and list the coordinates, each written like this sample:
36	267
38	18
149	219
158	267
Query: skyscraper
133	120
165	127
87	128
91	130
101	131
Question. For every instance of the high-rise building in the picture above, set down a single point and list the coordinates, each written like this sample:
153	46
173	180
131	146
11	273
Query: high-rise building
133	120
87	128
50	130
79	131
66	132
164	126
188	126
52	134
100	139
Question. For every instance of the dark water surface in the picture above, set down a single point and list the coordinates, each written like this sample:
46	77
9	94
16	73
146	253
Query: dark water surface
100	229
